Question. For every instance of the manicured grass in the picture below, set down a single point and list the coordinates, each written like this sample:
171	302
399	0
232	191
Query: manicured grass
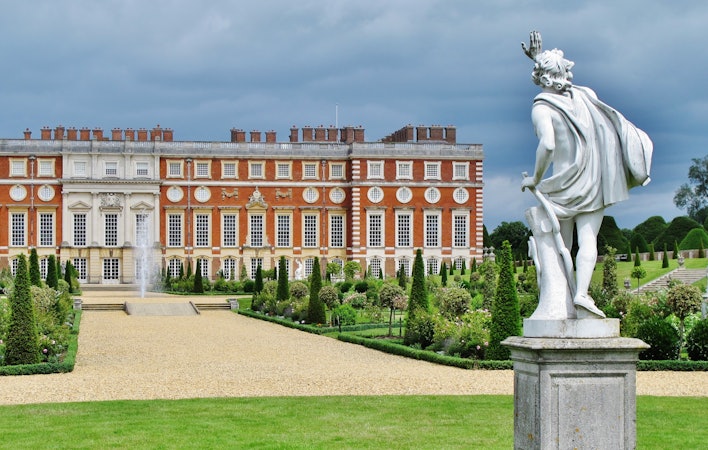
389	422
653	268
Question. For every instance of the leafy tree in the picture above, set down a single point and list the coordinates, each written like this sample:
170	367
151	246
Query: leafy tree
189	269
609	273
611	235
676	250
637	261
22	346
650	228
333	269
351	268
506	315
652	255
486	240
638	272
329	296
676	231
315	308
443	274
517	233
34	274
682	300
693	196
52	280
258	286
283	283
391	296
243	276
463	268
453	302
696	238
474	265
198	286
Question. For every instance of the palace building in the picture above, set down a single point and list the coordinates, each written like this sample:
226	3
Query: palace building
126	207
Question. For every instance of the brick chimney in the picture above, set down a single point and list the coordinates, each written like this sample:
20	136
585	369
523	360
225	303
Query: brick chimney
347	134
156	134
46	133
116	134
293	133
167	134
142	134
28	134
98	134
71	133
451	134
270	136
422	133
359	134
129	134
332	133
436	133
85	134
255	136
233	134
320	134
307	133
59	133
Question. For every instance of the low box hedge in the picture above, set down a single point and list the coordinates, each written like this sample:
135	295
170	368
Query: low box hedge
67	365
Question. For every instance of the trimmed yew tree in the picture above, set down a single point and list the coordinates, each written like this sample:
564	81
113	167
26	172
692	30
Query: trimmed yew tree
34	274
198	287
506	315
315	308
22	346
418	304
283	284
52	280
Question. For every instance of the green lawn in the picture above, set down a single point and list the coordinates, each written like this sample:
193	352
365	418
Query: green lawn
653	268
389	422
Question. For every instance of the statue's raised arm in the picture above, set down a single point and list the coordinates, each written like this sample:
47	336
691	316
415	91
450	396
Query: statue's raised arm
535	45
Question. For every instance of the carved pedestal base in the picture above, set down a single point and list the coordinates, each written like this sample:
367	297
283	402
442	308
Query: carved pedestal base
574	393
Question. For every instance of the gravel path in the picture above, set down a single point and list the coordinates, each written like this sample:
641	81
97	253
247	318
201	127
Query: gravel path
222	354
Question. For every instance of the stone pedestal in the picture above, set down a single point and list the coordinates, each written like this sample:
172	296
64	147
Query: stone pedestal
574	393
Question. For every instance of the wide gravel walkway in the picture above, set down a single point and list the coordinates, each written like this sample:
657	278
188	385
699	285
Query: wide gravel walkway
222	354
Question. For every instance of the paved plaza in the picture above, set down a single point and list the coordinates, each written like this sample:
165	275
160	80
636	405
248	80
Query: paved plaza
223	354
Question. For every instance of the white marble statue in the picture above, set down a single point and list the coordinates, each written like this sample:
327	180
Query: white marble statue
299	272
595	156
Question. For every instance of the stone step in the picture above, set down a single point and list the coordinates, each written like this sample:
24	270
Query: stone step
103	306
686	276
212	306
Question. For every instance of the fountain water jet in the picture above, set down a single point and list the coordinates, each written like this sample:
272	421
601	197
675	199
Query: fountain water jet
143	253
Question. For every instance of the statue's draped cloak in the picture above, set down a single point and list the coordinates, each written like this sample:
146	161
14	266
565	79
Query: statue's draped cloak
609	155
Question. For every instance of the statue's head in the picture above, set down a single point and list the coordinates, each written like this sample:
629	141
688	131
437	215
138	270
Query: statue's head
552	70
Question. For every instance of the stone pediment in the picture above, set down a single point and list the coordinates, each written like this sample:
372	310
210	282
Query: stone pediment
142	206
79	205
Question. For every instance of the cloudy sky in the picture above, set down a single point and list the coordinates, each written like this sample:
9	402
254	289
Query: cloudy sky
203	67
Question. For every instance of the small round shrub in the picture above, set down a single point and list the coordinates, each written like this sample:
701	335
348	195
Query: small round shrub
420	330
248	286
663	338
361	287
345	286
329	296
697	341
299	290
344	315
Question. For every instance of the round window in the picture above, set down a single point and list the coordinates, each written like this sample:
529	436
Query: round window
375	194
461	195
404	195
432	195
202	194
310	195
337	195
18	193
46	193
174	194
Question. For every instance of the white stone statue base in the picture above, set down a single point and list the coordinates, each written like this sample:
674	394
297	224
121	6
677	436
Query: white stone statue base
572	328
574	393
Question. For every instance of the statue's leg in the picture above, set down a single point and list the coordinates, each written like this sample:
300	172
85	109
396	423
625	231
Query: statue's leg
588	226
